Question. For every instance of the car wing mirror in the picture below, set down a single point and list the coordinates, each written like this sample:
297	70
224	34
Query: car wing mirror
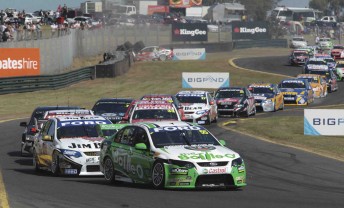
23	124
222	142
141	146
47	138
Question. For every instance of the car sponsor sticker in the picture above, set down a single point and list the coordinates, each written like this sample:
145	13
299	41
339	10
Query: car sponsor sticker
219	170
200	147
70	171
179	171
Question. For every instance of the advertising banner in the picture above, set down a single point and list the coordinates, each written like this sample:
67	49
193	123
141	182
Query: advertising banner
250	30
212	80
19	62
329	122
157	9
189	32
188	54
185	3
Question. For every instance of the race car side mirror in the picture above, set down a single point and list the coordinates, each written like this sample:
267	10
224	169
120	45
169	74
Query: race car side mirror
47	138
140	146
23	124
222	142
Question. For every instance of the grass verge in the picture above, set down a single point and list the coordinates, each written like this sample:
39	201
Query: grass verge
288	130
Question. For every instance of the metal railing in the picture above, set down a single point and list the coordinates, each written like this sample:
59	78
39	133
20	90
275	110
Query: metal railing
43	82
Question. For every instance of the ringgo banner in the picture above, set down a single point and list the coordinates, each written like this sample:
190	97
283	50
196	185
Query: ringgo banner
189	32
19	62
250	30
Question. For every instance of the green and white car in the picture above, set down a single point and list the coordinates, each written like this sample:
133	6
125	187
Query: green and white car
171	155
108	130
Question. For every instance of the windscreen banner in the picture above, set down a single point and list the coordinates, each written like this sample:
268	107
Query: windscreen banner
189	32
327	122
189	54
250	30
19	62
212	80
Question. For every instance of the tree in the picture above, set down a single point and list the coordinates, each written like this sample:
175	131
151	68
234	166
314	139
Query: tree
327	6
257	9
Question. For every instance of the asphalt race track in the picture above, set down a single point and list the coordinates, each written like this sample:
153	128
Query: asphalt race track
278	176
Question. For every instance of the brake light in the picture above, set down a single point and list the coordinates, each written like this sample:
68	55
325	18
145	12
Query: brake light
33	130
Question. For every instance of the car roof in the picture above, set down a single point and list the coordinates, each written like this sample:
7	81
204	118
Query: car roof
192	92
158	124
115	100
228	88
80	118
261	85
56	108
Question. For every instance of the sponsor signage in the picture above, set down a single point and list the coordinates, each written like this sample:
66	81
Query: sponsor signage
329	122
185	3
189	54
19	62
250	30
205	80
157	9
189	32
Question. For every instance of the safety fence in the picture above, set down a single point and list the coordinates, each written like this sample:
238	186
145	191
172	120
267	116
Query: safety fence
43	82
281	43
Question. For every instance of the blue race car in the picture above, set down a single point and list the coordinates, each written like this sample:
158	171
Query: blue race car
296	91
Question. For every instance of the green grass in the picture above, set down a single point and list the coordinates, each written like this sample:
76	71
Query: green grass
289	130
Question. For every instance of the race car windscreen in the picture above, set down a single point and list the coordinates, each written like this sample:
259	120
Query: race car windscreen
292	85
300	54
182	137
311	79
298	39
168	114
110	107
330	61
323	73
261	90
338	47
192	99
229	94
340	65
316	62
108	132
77	131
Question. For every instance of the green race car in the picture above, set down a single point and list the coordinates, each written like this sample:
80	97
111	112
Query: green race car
171	155
108	130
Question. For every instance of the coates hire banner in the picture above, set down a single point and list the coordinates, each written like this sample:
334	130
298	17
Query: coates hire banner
324	122
205	80
19	62
188	54
250	30
189	32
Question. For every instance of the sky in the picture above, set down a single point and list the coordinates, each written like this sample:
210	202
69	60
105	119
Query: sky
34	5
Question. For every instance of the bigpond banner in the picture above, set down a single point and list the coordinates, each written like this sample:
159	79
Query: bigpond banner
329	122
189	54
19	62
205	80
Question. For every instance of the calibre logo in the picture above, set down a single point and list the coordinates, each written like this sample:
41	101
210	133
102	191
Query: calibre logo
328	121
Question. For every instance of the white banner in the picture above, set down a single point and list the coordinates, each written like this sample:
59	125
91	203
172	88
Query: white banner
329	122
188	54
205	80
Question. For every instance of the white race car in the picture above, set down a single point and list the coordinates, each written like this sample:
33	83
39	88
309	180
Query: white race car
199	106
69	145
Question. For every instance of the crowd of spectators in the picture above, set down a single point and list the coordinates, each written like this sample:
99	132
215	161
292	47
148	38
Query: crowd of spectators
45	24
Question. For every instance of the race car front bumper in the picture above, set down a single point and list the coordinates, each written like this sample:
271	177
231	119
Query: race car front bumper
295	100
196	117
265	105
204	177
82	166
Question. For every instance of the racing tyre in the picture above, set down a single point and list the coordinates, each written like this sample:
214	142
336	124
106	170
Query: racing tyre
34	161
162	57
158	175
215	119
274	107
109	171
282	106
254	111
55	164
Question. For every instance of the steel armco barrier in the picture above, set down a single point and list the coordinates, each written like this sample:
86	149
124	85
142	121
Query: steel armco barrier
43	82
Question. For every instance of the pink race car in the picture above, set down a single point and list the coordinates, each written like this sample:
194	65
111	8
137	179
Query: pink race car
154	53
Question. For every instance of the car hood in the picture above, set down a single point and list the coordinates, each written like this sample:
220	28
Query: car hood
314	66
151	120
336	50
194	106
112	116
299	42
233	100
197	153
295	91
263	96
82	144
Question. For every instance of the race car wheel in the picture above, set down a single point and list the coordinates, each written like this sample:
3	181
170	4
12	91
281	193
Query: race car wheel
254	111
109	171
162	57
158	175
34	161
282	106
274	107
215	119
55	164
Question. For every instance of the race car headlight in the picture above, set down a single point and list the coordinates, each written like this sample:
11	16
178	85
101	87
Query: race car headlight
71	153
268	101
180	163
239	105
237	162
201	112
316	89
302	93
